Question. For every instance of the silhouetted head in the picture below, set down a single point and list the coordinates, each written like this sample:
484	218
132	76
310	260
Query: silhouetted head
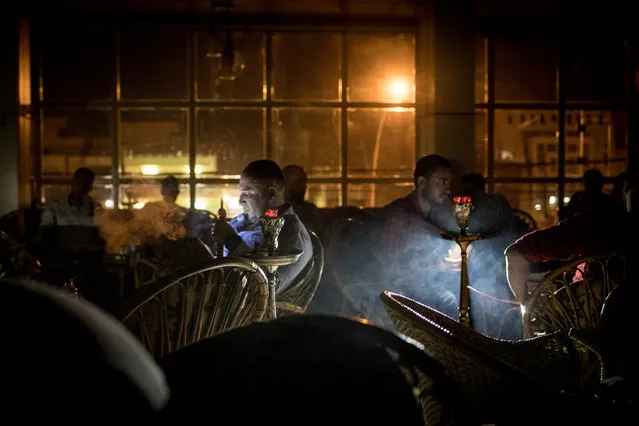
261	188
473	183
170	188
593	180
82	182
432	176
296	182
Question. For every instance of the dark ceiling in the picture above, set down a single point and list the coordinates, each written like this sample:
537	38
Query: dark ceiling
250	7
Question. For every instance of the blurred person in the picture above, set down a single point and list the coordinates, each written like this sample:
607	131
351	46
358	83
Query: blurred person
164	217
66	360
349	376
78	208
262	189
295	186
590	197
600	229
68	230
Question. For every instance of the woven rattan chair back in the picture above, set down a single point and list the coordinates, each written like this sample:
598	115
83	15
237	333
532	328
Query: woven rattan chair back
197	302
571	297
296	298
491	372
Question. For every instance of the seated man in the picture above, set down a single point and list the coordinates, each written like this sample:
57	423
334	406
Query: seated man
595	231
68	225
261	189
413	249
78	208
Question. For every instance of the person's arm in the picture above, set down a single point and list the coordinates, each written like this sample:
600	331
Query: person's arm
224	233
517	272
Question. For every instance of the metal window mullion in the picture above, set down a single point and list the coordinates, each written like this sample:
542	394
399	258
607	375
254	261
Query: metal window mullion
268	77
631	103
490	122
116	125
344	120
36	101
561	140
191	66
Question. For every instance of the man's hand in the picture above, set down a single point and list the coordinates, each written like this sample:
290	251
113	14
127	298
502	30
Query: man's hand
448	298
221	231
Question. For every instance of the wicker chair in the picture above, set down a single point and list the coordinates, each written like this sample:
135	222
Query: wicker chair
571	297
197	302
491	372
296	298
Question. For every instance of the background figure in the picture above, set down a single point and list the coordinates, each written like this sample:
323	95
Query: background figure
592	196
295	185
165	217
69	244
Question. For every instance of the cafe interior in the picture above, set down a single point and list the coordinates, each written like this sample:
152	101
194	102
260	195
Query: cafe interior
327	211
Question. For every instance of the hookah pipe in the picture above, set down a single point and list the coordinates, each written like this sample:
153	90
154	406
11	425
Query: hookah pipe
221	215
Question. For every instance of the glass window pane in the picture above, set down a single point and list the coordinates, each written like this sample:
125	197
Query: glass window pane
376	194
78	63
208	196
595	70
381	142
525	69
306	66
481	141
540	200
228	139
153	64
381	68
243	78
309	137
77	138
526	143
596	139
154	142
102	194
481	82
324	195
136	195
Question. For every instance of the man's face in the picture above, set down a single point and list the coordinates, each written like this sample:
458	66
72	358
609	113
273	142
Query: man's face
436	188
82	185
295	184
255	197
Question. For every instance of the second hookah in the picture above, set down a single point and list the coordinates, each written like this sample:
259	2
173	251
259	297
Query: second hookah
462	207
